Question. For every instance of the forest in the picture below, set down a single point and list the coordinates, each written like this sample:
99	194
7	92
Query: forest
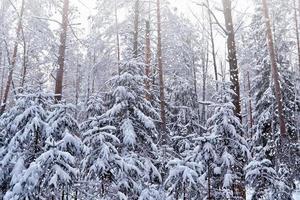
150	99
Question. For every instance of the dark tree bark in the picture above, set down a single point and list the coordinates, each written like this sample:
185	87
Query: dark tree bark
232	59
77	86
275	74
209	195
136	28
62	51
297	32
204	82
164	136
239	189
117	37
24	67
13	60
250	103
148	62
2	75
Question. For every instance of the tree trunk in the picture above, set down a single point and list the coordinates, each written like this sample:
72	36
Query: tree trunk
209	197
184	191
136	28
239	185
148	62
2	74
204	81
13	61
24	67
63	193
250	103
164	136
232	59
195	82
275	74
297	32
77	88
117	37
62	51
212	44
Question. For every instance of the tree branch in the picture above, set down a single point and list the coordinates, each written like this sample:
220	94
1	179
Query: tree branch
214	16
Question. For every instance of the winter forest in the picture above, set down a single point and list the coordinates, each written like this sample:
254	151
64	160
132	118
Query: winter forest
150	99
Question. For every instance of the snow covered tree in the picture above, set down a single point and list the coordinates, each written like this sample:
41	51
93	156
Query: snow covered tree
231	147
40	153
266	119
126	132
205	154
182	180
101	164
46	176
24	129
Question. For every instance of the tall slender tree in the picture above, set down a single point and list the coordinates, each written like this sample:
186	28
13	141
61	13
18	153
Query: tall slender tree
161	76
62	51
275	74
212	41
13	60
136	28
148	61
232	58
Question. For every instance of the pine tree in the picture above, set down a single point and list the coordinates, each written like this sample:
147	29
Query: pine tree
101	164
231	147
126	131
24	132
41	154
182	179
47	175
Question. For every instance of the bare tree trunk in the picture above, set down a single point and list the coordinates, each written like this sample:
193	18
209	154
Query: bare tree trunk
164	136
148	62
213	52
204	79
63	193
209	197
184	191
232	59
94	71
2	74
13	61
195	89
77	87
250	103
24	67
136	28
297	32
117	37
62	51
275	74
239	189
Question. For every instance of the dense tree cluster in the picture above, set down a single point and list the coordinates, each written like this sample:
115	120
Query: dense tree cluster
145	105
